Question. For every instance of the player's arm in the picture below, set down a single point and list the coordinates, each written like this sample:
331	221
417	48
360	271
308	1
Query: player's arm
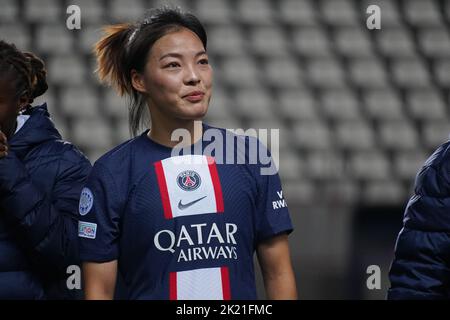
99	280
275	261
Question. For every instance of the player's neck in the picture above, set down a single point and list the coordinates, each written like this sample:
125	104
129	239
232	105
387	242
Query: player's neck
161	132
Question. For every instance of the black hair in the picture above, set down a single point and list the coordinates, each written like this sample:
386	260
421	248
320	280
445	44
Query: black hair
125	47
25	69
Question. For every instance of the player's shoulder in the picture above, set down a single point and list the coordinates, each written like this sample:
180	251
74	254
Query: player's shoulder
119	157
434	176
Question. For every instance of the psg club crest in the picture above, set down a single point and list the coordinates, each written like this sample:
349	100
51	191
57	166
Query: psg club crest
189	180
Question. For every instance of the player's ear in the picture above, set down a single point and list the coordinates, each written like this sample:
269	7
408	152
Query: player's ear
23	102
138	82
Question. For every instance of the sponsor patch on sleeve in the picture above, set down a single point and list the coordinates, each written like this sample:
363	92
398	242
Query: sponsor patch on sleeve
87	229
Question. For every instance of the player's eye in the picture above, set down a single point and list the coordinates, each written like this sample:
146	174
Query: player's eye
204	61
173	65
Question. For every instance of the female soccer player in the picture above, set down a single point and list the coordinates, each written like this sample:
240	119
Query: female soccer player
41	177
181	226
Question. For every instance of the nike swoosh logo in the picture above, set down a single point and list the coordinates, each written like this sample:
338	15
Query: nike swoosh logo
187	205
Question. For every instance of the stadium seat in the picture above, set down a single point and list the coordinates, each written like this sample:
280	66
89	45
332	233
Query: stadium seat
121	11
441	72
382	104
282	73
434	42
434	133
390	15
297	105
54	39
339	12
297	12
66	70
240	72
253	103
268	41
255	12
234	46
395	42
367	73
351	42
44	11
369	165
410	73
79	102
325	73
18	34
388	192
312	135
339	104
324	165
398	135
407	164
9	11
311	42
425	104
354	135
422	13
214	12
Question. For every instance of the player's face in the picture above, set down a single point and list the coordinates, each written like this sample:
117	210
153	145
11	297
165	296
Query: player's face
177	66
9	106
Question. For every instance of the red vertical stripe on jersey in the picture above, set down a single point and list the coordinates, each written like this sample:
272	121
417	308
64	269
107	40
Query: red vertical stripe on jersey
225	283
216	184
163	190
173	286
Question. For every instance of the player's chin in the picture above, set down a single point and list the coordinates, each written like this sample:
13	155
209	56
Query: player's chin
195	111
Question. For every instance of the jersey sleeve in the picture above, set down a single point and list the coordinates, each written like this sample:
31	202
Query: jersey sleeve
99	223
272	216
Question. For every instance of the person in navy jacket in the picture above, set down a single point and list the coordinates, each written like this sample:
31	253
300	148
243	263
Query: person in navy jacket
41	177
421	267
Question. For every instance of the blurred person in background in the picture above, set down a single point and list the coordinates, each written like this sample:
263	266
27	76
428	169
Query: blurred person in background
41	177
421	266
176	231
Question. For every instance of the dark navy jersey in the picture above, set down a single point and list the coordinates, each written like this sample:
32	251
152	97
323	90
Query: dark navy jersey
181	226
